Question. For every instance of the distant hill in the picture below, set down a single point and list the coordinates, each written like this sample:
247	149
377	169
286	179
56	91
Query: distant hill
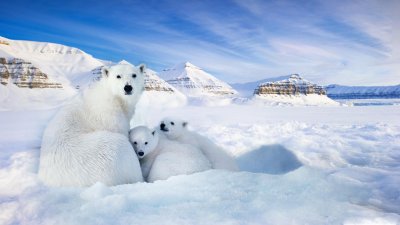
336	91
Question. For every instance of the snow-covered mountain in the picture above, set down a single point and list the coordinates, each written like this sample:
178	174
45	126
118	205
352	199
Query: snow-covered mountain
49	71
292	85
63	64
362	92
290	90
194	82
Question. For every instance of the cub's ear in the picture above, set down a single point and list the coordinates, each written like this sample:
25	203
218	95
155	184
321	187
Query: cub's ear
104	71
184	124
153	133
142	68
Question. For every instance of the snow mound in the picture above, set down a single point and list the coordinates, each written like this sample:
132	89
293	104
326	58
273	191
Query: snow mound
272	159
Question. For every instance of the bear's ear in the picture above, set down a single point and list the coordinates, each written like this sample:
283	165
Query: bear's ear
142	68
184	124
104	71
153	133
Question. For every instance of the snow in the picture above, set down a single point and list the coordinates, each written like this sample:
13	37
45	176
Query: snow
293	100
333	165
14	98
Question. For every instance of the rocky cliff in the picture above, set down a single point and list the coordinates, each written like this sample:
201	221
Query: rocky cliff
24	74
293	85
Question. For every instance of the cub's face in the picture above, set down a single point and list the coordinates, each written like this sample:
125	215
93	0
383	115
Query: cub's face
125	80
143	140
172	128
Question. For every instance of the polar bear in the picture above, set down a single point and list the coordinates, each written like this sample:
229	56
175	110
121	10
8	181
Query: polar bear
161	158
87	141
175	129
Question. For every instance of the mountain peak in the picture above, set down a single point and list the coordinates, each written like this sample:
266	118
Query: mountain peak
194	81
184	65
188	64
295	76
124	62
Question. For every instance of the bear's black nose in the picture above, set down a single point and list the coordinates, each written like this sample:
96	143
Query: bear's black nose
140	153
162	126
128	88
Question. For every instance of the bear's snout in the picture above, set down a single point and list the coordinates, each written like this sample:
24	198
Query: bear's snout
128	89
140	153
162	127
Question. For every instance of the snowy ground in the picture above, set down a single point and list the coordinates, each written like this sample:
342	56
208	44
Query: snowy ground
350	172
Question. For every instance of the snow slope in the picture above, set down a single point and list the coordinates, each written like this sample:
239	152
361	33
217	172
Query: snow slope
160	93
362	92
348	173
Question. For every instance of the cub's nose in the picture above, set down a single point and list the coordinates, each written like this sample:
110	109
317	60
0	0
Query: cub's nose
162	126
128	88
140	153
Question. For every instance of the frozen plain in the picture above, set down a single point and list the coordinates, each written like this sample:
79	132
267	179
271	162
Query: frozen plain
350	172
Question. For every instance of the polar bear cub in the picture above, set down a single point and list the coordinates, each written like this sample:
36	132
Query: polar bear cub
175	129
87	141
161	158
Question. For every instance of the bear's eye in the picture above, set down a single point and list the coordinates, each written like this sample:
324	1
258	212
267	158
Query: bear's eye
134	75
135	143
145	143
172	123
119	76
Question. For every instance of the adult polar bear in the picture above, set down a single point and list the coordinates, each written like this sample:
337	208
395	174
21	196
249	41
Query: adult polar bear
87	141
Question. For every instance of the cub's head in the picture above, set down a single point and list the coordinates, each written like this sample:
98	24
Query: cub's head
143	140
125	80
173	128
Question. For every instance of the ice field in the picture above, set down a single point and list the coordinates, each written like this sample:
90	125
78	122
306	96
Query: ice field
300	165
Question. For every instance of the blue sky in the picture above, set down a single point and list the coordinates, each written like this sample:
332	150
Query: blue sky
345	42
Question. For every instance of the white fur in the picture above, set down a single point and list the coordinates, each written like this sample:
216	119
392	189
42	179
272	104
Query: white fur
164	158
175	129
86	142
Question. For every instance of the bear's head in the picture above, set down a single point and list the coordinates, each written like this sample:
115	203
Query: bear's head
143	140
173	128
125	80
